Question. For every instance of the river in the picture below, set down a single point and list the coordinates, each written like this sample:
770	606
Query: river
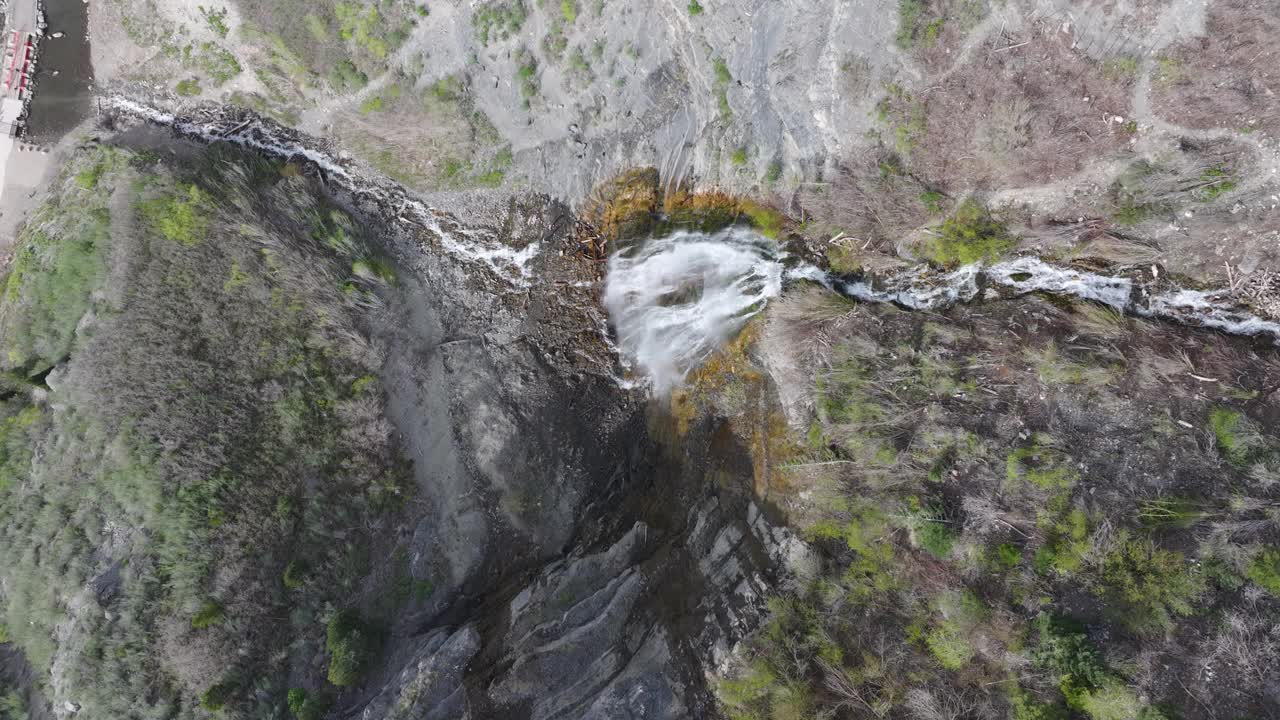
64	76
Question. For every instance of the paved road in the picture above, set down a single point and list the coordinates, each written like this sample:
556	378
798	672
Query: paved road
22	15
21	167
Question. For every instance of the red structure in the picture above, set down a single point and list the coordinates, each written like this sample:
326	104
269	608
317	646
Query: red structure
21	50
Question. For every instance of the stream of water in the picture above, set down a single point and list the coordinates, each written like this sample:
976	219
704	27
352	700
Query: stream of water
678	298
64	75
674	299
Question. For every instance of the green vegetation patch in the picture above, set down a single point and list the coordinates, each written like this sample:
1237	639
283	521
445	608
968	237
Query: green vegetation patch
217	696
961	615
960	474
363	25
12	706
219	63
1152	584
346	77
210	614
183	216
164	424
917	27
970	235
216	19
188	88
498	20
306	706
1265	570
59	263
350	644
1215	182
931	529
1237	439
723	79
905	116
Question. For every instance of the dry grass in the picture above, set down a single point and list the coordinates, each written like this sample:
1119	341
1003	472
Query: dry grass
872	199
625	206
1020	116
1228	78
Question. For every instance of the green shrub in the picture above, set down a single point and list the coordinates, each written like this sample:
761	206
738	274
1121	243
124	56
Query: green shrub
932	32
295	574
870	572
914	26
950	646
1025	707
723	76
774	173
363	25
349	644
930	530
527	76
747	695
1265	570
305	706
52	280
1112	700
214	60
210	614
932	201
217	696
695	8
498	20
1215	181
1065	651
1042	465
739	156
374	268
569	10
217	20
297	699
1006	556
970	235
1066	543
1155	584
1170	512
1122	68
1238	442
722	100
12	706
346	77
490	179
188	88
183	217
963	614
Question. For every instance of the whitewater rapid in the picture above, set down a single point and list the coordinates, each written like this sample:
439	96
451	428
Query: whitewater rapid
674	300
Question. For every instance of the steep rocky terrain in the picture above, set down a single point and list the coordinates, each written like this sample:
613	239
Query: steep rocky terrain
339	379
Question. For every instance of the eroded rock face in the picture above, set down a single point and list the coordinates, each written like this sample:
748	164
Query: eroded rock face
582	565
430	685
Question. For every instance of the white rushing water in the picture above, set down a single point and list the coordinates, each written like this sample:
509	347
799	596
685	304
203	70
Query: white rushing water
674	300
253	134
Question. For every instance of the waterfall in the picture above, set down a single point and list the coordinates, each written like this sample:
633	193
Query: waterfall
674	300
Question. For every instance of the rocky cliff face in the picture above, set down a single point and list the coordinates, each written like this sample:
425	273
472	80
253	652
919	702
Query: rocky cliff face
535	539
585	566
